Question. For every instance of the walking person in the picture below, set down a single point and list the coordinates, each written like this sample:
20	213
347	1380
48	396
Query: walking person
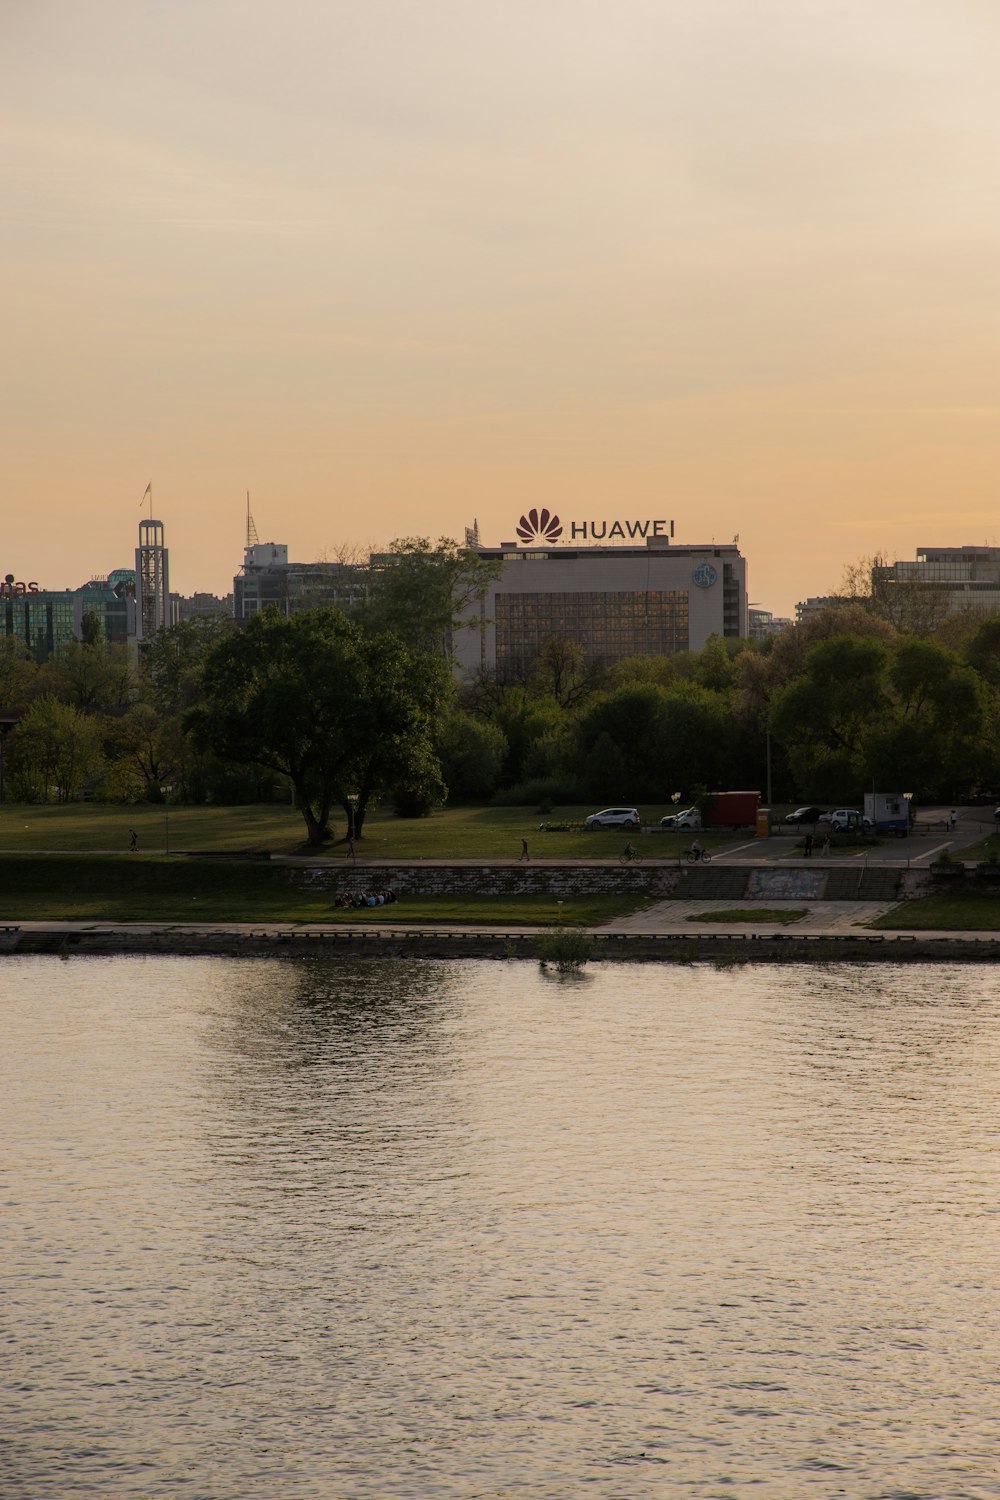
826	844
953	820
809	845
133	841
524	852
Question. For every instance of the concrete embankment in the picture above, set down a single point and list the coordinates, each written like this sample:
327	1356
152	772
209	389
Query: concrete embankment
314	942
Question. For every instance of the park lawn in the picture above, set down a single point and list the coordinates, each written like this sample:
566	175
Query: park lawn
506	911
986	849
758	914
949	911
104	828
452	833
140	889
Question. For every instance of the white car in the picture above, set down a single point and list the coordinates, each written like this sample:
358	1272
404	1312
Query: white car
689	818
613	817
846	817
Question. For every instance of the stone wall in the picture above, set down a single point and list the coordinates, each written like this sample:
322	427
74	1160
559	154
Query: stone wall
656	880
489	880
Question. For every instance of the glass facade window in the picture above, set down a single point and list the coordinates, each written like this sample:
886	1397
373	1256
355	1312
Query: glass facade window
608	626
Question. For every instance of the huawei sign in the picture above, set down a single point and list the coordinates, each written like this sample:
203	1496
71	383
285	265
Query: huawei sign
539	526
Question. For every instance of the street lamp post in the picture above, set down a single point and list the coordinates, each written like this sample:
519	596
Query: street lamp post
352	802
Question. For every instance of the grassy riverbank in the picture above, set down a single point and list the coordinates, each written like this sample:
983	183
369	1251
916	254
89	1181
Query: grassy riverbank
452	833
949	911
133	888
756	915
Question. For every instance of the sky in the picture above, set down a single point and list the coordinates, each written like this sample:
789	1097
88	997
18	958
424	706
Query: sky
393	266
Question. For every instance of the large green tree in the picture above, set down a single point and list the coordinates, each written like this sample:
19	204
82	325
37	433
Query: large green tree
345	716
95	678
171	660
906	714
826	716
55	752
422	589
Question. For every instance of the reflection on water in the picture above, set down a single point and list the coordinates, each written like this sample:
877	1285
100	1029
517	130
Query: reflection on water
285	1230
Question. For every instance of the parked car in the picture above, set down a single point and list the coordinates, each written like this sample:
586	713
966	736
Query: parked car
846	817
613	817
689	818
805	815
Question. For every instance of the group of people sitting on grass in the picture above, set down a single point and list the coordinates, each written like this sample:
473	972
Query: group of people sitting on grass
366	898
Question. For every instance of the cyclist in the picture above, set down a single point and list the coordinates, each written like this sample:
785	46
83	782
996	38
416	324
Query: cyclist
695	851
628	852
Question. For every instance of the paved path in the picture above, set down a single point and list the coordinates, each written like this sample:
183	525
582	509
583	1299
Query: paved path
617	941
675	916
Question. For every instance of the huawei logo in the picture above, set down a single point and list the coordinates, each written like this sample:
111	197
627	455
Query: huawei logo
539	526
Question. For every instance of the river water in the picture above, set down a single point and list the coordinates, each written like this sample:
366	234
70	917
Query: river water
278	1230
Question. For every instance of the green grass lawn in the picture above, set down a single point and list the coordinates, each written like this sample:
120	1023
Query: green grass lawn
452	833
138	889
982	850
951	911
756	914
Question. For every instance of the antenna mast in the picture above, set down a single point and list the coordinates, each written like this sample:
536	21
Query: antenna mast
252	538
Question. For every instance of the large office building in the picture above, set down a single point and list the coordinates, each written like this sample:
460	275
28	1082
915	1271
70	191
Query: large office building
616	601
267	577
956	577
47	620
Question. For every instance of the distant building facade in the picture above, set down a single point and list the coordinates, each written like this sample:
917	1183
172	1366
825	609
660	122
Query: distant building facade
814	604
268	578
613	601
195	605
47	620
762	624
957	577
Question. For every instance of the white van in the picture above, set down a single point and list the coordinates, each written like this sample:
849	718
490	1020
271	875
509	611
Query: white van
689	818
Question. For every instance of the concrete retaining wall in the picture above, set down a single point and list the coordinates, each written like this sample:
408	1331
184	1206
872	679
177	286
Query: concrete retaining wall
489	880
711	882
313	944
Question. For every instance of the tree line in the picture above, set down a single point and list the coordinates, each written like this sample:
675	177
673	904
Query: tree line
354	710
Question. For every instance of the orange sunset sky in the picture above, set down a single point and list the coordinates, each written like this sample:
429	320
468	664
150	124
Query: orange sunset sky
392	265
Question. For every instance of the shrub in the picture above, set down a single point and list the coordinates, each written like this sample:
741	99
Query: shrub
564	948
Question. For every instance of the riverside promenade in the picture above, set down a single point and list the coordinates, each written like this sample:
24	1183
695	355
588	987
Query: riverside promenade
663	932
829	903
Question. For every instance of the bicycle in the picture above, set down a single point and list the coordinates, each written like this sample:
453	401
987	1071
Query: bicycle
630	857
694	855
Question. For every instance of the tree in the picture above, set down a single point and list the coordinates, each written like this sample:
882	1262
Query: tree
18	673
91	678
421	590
621	743
932	742
150	745
92	629
982	652
825	716
560	671
171	660
55	751
344	716
471	752
905	601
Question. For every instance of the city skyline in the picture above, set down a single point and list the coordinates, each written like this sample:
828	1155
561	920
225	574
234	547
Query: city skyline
391	270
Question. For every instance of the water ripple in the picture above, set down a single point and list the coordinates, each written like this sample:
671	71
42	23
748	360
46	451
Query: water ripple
278	1230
